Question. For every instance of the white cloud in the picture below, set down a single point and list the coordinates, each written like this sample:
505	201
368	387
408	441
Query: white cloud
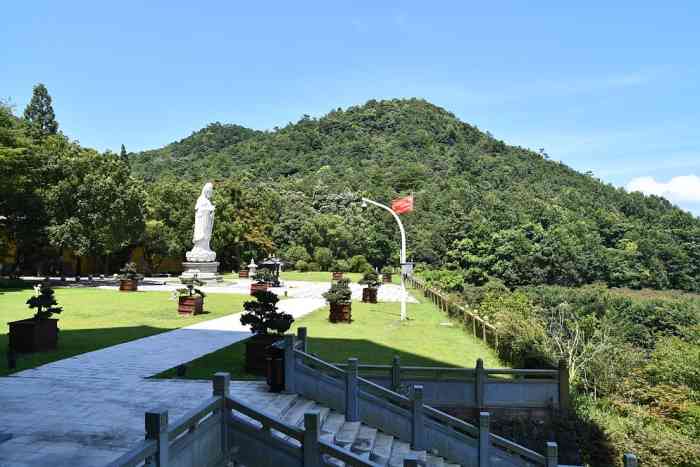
684	188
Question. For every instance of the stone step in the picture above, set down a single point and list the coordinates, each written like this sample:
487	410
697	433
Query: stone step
347	434
295	414
279	405
332	425
364	441
434	461
399	451
381	451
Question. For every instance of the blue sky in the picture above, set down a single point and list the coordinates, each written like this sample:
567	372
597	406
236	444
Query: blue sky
610	89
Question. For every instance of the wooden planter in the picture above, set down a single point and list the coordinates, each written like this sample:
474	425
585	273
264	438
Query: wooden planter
255	287
369	295
243	274
340	313
256	353
337	276
128	285
386	278
33	335
193	305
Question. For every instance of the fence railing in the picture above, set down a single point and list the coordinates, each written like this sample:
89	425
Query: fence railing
476	387
478	326
404	417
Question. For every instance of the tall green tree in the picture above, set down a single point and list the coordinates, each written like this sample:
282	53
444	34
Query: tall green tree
39	112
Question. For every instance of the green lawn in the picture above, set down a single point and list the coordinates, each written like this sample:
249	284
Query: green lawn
315	276
375	336
94	318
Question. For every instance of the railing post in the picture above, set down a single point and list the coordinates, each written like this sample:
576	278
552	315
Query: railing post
484	439
418	430
157	429
312	433
629	460
563	387
301	335
552	454
479	384
396	373
352	412
222	384
410	461
289	364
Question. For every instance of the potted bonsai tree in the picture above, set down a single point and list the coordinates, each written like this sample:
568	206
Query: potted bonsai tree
190	300
371	281
261	281
339	297
129	278
39	333
387	271
267	324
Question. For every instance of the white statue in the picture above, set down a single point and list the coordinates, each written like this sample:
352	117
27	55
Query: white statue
203	224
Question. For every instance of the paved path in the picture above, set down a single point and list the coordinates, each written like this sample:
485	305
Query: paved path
88	409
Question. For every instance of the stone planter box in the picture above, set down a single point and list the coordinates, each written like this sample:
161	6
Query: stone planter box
369	295
33	335
337	276
128	285
386	278
274	372
193	305
257	352
255	287
243	274
340	313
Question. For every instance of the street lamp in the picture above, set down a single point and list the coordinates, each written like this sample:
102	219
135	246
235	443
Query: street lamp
402	255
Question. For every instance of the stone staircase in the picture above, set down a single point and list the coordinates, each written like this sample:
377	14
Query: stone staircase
362	440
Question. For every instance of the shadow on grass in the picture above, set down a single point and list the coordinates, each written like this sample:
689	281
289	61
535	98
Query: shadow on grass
72	342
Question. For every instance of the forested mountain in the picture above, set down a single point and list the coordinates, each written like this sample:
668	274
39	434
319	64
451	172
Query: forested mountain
482	206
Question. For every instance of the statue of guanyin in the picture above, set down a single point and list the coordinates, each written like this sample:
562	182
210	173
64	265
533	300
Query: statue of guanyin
203	225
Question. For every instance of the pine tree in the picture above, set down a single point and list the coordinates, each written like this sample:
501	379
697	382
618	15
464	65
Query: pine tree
39	113
123	155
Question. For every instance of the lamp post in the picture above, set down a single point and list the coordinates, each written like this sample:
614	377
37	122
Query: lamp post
402	255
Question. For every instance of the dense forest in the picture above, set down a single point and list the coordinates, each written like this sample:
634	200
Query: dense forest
482	206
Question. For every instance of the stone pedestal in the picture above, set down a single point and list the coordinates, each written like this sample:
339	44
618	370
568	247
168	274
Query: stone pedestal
206	272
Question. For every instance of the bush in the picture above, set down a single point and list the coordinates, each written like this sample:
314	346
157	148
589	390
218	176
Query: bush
341	265
296	253
323	257
675	362
450	281
339	293
263	317
359	263
302	266
371	280
313	266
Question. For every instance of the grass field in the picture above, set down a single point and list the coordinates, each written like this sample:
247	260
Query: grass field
375	336
93	319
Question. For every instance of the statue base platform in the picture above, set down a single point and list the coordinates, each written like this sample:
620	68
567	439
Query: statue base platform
206	272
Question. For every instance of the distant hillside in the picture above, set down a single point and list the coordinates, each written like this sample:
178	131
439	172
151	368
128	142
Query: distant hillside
483	206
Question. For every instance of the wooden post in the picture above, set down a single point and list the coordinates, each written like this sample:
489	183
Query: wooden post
629	460
418	430
396	373
312	433
484	439
552	454
564	397
157	429
352	409
410	461
473	325
222	384
301	335
289	364
479	384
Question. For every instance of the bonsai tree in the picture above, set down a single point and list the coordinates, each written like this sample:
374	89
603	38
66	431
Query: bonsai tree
44	302
370	279
263	317
339	293
387	270
129	272
189	290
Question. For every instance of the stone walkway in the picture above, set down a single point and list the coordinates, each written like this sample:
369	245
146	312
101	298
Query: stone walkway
87	410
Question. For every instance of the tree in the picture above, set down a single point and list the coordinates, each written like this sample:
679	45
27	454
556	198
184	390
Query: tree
39	112
123	154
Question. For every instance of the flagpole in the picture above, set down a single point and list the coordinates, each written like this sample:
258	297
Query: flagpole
402	255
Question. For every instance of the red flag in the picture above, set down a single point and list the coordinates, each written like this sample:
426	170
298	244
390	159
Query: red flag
402	205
